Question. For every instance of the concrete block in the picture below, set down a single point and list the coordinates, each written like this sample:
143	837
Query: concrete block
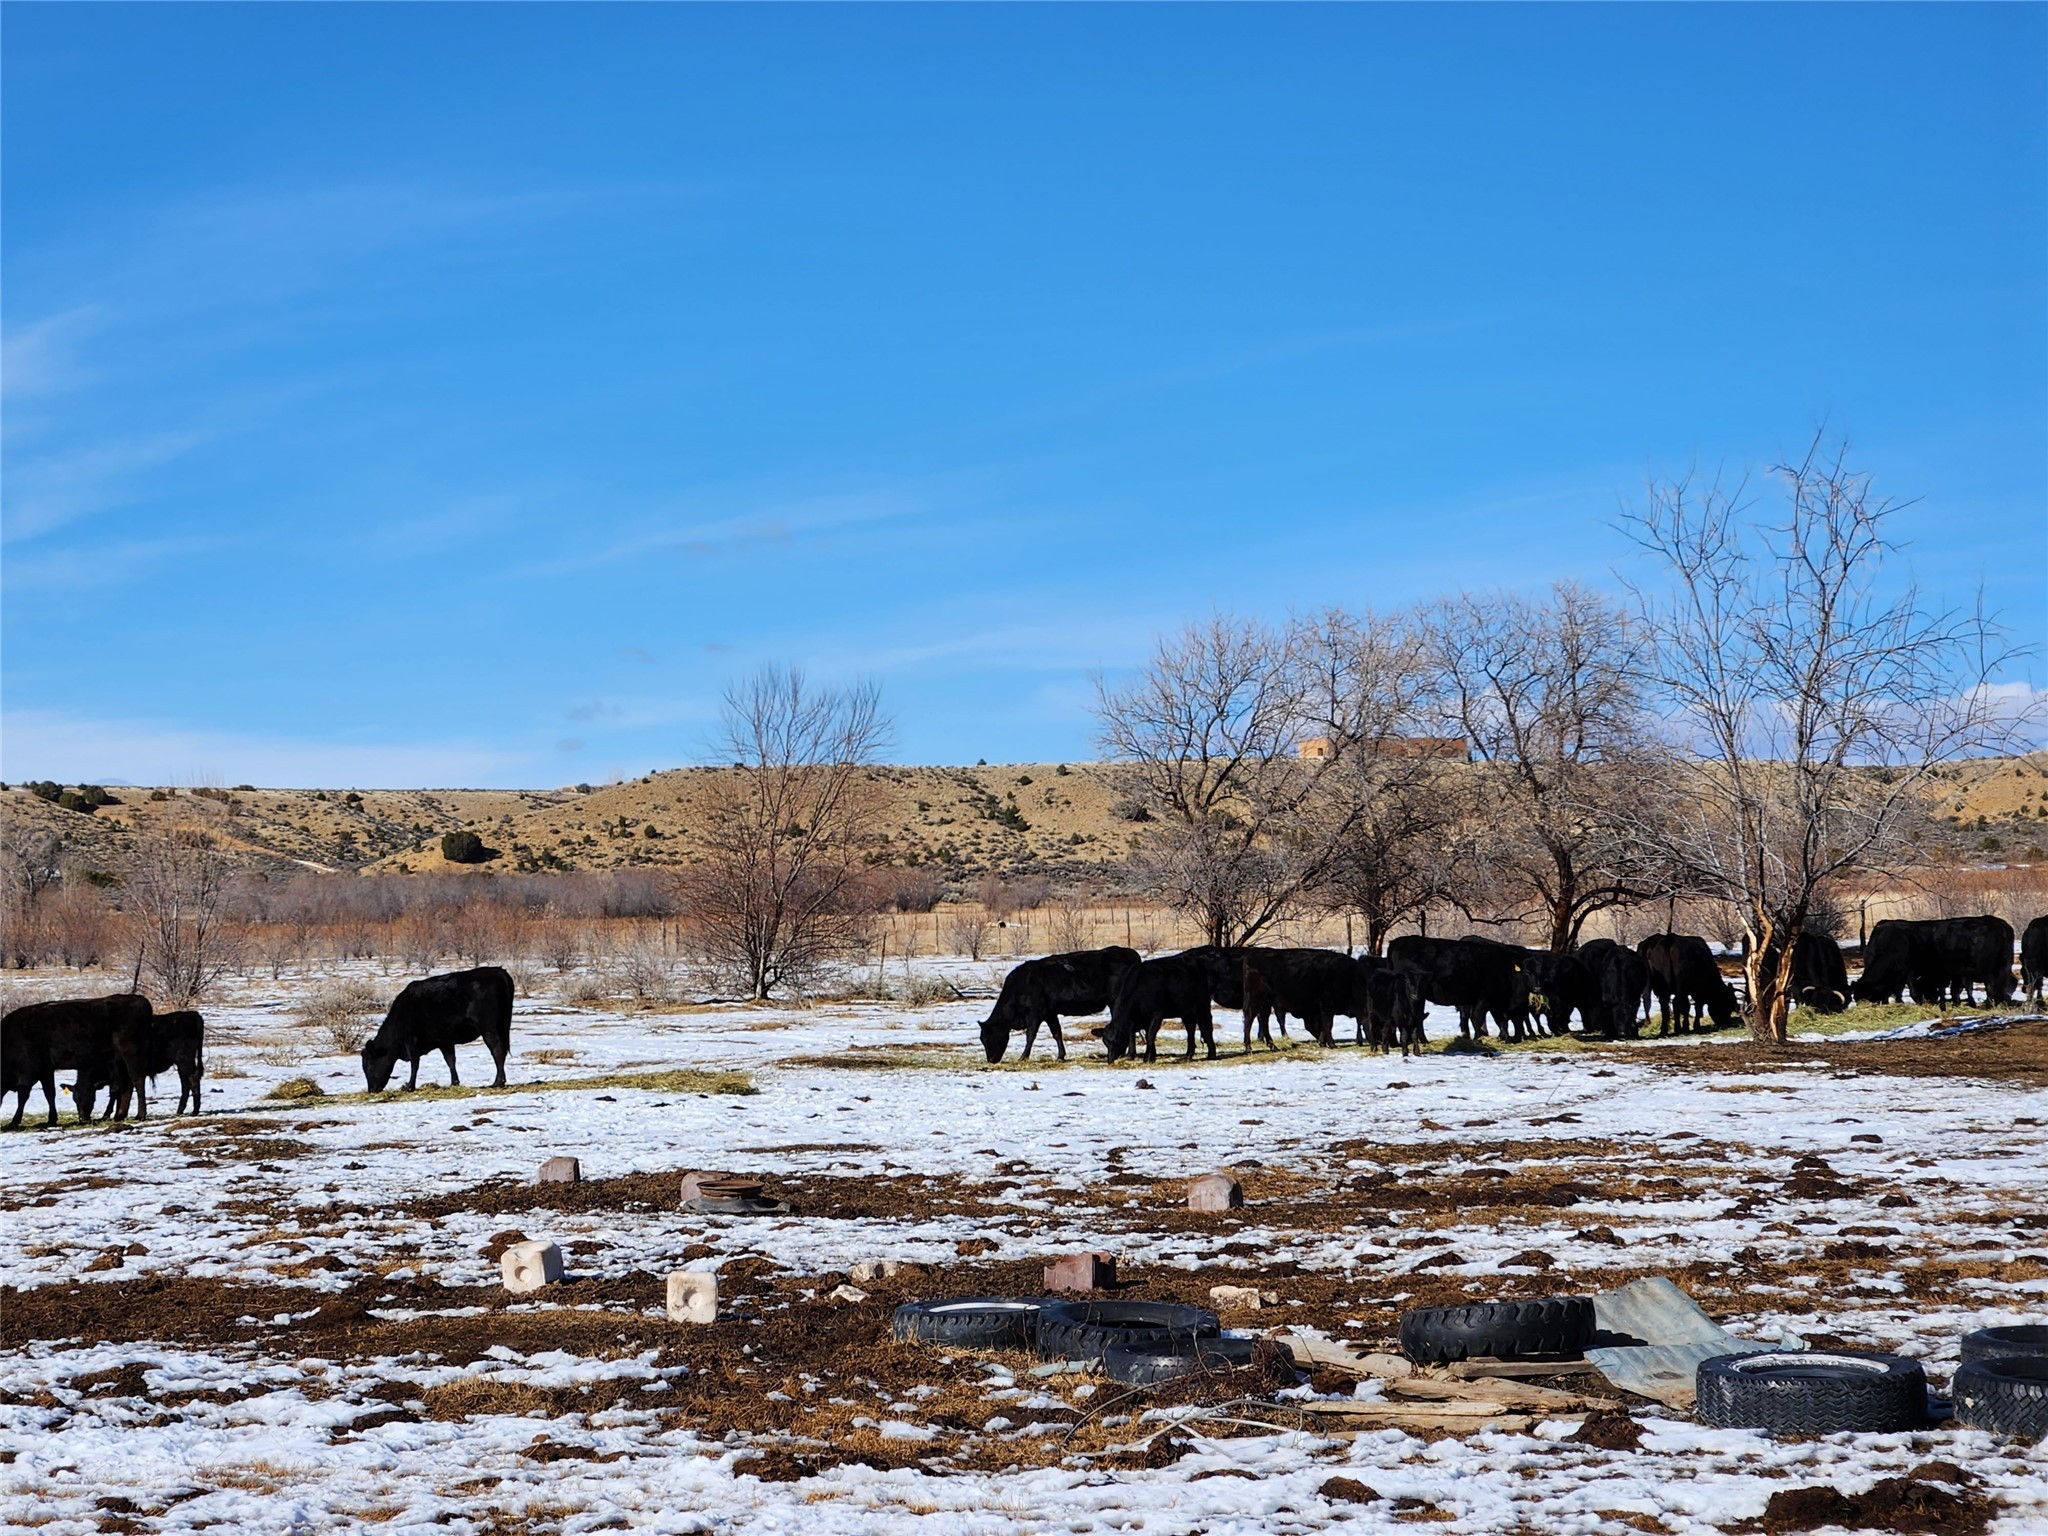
1081	1272
529	1266
692	1297
1215	1192
560	1170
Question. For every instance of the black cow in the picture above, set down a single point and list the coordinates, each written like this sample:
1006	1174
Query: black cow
1315	985
1174	987
1820	977
2034	959
1393	1008
91	1035
1686	983
1937	958
438	1014
1223	964
1621	986
176	1039
1478	977
1039	991
1559	986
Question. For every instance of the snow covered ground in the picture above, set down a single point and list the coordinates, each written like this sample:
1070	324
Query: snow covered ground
1373	1182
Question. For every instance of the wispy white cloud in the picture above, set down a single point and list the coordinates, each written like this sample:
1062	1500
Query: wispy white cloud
778	523
43	358
74	748
92	565
46	491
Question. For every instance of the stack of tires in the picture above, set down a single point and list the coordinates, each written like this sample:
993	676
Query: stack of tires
2002	1384
1138	1342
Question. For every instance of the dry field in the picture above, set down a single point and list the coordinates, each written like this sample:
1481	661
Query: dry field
283	1314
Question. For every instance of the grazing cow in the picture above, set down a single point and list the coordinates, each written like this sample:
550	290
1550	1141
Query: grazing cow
176	1039
1686	983
1315	985
1153	991
1820	977
1621	986
438	1014
1393	1009
1559	986
1478	977
1936	959
93	1036
2034	959
1039	991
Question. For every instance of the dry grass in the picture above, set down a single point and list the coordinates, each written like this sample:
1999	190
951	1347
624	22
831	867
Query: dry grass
676	1080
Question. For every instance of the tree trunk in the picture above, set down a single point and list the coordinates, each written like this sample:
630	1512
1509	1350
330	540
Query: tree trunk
1767	968
1561	925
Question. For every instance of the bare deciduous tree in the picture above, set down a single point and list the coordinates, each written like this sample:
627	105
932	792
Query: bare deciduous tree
1391	804
177	889
779	892
1210	729
1810	701
1547	695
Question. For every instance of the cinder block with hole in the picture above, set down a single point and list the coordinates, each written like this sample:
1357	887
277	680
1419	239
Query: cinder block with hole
529	1266
692	1297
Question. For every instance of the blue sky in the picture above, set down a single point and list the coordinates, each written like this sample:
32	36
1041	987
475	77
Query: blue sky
461	395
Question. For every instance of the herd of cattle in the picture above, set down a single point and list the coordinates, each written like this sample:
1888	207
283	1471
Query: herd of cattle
1608	986
120	1043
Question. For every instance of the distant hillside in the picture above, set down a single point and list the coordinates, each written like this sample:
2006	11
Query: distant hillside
1060	821
1051	819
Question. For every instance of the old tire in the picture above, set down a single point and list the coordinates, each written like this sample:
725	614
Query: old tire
1087	1330
2026	1341
1558	1327
1143	1365
1812	1392
973	1322
2005	1396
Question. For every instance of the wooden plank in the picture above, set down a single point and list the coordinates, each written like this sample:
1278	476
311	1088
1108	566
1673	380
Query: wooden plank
1514	1394
1346	1408
1506	1423
1313	1351
1469	1370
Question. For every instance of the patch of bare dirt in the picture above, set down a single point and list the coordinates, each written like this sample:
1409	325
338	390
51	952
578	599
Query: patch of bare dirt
2018	1053
1911	1505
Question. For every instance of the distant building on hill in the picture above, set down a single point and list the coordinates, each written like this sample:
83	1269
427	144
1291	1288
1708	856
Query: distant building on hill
1314	747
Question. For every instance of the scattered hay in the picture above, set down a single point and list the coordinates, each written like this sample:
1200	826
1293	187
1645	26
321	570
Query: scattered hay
676	1080
475	1396
297	1090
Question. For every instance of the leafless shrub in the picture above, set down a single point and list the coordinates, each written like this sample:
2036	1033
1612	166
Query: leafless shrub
340	1012
585	989
558	944
967	932
1068	926
646	970
82	927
